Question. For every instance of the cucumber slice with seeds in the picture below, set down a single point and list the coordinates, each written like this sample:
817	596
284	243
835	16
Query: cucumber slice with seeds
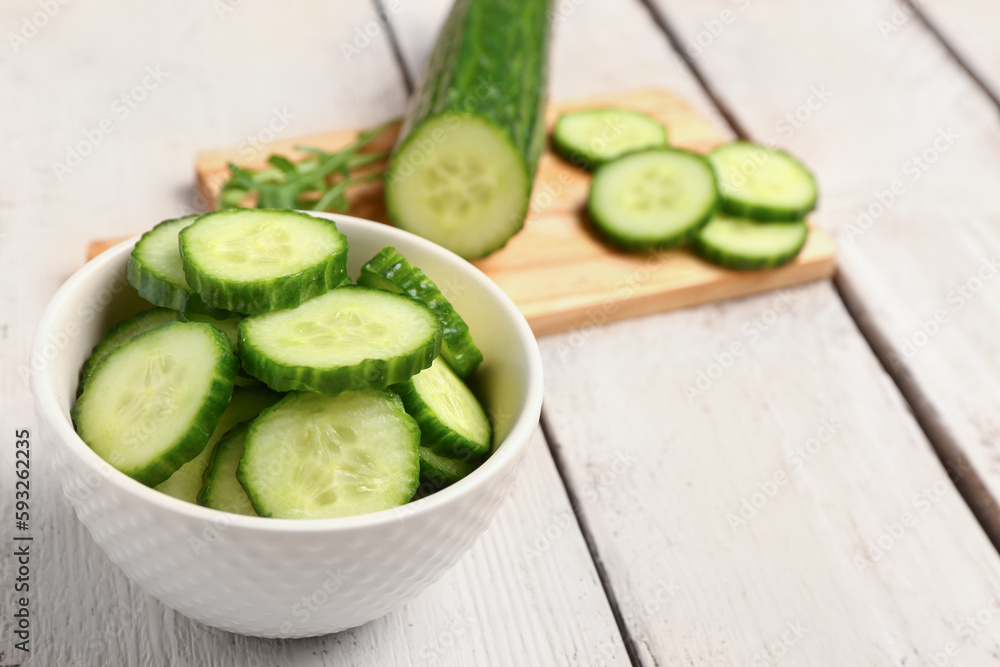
469	192
349	338
156	272
313	456
151	405
259	260
388	270
123	332
763	183
452	422
222	490
245	404
739	243
591	137
652	199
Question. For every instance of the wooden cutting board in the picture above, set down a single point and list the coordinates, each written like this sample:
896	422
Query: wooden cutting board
558	272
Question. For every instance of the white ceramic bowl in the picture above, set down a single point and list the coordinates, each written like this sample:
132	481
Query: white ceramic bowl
279	577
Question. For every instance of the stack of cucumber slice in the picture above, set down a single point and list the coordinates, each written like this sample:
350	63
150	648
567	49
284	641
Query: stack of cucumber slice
742	206
375	373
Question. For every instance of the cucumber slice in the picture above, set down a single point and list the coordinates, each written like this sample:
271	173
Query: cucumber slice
460	182
652	199
156	272
590	137
739	243
152	404
259	260
389	270
438	472
222	490
123	332
246	403
763	183
452	422
313	456
349	338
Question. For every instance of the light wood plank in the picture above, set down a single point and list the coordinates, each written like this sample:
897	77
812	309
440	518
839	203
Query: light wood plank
750	502
969	26
917	264
505	603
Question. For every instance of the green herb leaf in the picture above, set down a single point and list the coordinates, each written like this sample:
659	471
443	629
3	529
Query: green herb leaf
318	182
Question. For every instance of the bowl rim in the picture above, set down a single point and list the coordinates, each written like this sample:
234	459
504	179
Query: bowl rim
47	405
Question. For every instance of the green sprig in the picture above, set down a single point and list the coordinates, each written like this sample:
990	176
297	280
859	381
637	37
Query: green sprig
316	183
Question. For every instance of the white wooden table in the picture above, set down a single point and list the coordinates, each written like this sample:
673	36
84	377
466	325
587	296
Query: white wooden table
830	499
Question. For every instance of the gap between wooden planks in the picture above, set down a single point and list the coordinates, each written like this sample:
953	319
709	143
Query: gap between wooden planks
556	270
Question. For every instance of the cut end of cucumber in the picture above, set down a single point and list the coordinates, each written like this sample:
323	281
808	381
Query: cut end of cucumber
590	137
763	183
653	199
739	243
458	180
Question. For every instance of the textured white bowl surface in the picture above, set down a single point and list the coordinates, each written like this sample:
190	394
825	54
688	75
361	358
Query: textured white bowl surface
274	577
